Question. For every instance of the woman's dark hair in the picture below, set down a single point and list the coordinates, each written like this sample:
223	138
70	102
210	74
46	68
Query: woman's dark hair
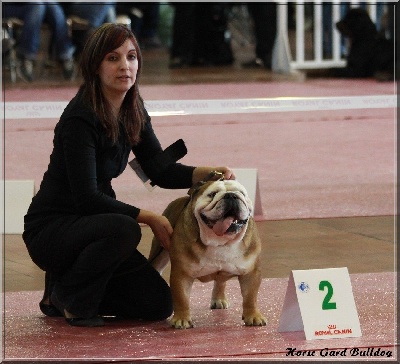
132	114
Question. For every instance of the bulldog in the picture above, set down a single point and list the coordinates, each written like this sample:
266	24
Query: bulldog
214	238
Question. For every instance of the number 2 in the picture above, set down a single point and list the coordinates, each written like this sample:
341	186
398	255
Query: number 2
326	304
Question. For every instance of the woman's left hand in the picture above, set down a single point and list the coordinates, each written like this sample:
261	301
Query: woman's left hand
228	173
200	173
160	226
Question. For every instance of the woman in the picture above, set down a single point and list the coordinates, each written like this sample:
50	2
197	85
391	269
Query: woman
75	229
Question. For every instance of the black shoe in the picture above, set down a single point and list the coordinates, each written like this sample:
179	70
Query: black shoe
25	69
95	321
86	322
68	69
257	63
49	310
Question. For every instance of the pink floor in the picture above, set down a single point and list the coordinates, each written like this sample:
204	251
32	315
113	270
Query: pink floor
313	164
218	334
310	164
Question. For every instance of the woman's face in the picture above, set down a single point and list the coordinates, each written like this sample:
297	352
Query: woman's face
118	70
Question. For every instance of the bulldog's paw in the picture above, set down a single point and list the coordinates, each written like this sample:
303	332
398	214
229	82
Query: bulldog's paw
256	319
181	323
219	303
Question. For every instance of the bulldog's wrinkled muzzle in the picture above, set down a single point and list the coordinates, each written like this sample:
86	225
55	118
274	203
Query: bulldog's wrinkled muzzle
230	221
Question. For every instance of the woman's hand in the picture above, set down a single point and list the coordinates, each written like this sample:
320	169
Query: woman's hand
200	173
227	172
160	226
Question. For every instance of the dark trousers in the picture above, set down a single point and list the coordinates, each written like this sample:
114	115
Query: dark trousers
264	17
183	35
95	267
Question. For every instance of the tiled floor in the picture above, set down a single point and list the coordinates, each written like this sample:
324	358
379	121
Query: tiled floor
363	244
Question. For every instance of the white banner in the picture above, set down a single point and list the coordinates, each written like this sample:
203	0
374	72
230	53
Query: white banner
54	109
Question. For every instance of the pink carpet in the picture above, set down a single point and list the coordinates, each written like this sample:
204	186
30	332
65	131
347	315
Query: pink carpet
218	334
312	164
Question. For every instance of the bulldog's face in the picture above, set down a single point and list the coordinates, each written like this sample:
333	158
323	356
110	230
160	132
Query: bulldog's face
222	210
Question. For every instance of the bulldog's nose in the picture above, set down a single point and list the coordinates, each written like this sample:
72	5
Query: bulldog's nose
230	195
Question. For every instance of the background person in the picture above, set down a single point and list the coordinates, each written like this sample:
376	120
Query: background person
94	14
264	20
33	16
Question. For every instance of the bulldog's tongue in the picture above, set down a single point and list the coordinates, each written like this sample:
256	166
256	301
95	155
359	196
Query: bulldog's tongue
222	225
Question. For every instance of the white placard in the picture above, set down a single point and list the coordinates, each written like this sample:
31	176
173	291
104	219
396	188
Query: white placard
17	198
320	302
249	179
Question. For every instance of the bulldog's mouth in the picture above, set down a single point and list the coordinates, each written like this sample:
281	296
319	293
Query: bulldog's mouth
225	225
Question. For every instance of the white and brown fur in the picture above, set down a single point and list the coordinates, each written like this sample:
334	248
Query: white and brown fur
209	244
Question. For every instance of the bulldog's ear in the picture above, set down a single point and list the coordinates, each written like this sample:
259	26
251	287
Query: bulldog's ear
196	188
212	177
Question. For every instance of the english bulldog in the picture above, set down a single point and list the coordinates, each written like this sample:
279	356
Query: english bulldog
214	238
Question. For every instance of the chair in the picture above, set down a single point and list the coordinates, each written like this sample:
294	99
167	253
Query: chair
9	27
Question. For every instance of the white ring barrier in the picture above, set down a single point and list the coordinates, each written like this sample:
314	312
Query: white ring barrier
53	109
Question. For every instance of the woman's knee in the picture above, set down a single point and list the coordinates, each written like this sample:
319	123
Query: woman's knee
155	294
126	232
163	309
60	243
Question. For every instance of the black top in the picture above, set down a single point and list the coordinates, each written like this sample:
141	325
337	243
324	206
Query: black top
83	163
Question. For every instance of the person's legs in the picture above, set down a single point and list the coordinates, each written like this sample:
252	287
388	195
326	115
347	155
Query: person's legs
82	254
264	17
148	27
33	16
95	13
137	291
151	16
28	42
327	29
181	53
61	41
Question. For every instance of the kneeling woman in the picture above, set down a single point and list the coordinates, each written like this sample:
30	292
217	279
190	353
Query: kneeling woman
75	229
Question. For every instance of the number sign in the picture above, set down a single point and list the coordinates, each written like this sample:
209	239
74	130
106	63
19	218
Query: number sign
320	302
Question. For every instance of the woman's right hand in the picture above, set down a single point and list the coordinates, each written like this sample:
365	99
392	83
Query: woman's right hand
160	226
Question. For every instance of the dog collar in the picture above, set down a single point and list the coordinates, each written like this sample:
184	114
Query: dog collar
211	176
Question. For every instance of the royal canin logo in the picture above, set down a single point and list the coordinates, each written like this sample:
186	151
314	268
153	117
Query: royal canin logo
332	330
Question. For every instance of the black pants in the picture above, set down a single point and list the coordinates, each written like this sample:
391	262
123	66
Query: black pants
264	17
183	34
198	36
95	267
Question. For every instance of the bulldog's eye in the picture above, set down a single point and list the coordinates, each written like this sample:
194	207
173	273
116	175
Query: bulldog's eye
212	194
